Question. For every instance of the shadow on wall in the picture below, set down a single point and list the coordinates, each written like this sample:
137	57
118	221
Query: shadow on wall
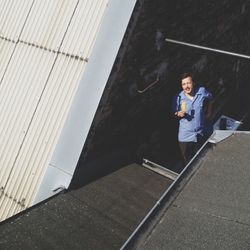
140	122
87	172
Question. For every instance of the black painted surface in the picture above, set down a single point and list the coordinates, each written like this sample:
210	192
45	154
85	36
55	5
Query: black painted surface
130	125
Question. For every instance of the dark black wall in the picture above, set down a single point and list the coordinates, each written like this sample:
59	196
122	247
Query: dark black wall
134	120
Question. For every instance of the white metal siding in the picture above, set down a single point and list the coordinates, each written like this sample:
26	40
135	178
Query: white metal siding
82	30
6	50
48	22
86	100
13	14
20	91
38	84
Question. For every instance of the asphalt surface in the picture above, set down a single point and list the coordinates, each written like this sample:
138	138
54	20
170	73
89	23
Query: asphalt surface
212	211
99	215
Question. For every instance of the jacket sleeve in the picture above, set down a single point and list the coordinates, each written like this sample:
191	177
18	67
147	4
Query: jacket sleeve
176	104
207	94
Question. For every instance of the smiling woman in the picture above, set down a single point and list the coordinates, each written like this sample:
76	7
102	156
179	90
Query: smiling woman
189	108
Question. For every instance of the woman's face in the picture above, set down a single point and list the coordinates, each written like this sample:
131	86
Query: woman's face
187	85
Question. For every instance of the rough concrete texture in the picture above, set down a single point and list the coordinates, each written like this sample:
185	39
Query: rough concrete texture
100	215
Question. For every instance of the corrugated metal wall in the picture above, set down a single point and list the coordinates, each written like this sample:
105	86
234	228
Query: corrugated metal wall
44	47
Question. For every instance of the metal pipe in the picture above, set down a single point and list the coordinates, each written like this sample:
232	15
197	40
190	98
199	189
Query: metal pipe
207	48
159	169
149	86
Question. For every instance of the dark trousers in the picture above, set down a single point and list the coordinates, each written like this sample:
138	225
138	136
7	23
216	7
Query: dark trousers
188	149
